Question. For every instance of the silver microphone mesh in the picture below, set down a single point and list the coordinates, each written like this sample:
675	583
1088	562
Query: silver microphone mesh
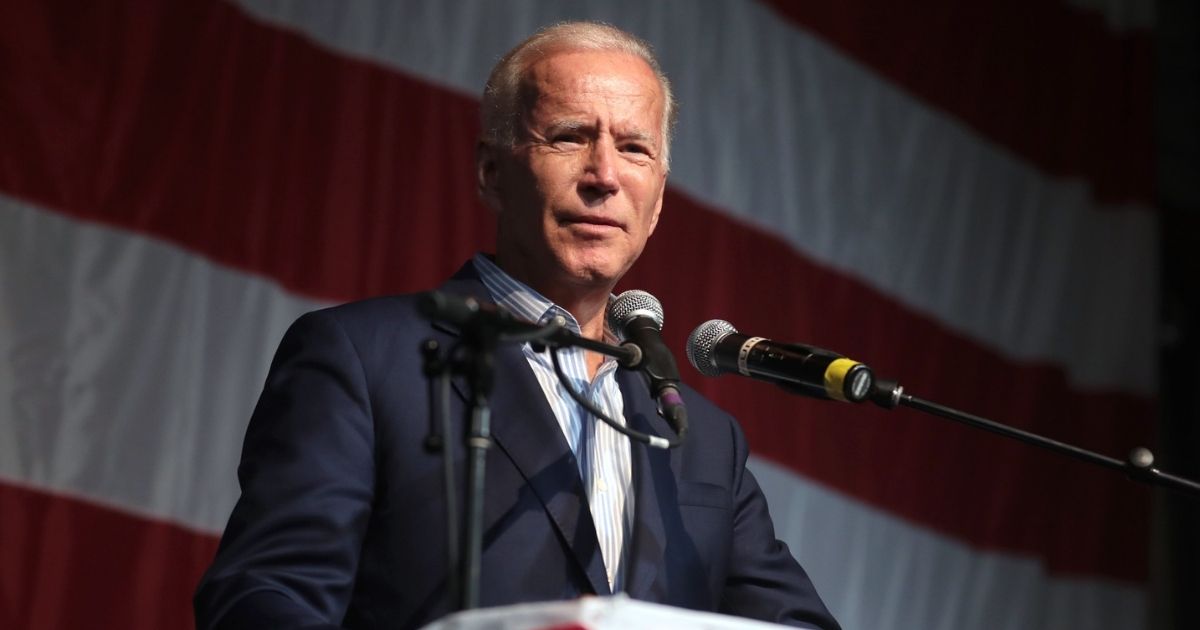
703	342
630	304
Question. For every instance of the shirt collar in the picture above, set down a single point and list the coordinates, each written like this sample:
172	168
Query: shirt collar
523	300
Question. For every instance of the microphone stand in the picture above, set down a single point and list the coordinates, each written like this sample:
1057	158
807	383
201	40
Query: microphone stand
474	358
480	375
1139	465
437	369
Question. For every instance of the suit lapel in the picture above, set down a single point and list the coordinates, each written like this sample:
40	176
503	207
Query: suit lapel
526	431
651	467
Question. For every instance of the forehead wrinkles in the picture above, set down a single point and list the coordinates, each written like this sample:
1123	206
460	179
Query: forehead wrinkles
591	87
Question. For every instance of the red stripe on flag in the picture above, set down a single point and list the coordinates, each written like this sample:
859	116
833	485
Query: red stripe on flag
1053	83
339	179
72	564
246	143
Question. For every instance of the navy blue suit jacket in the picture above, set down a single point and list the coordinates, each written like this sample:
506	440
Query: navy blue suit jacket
341	520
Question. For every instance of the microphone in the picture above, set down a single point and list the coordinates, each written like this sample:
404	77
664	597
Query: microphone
637	317
465	312
715	347
484	319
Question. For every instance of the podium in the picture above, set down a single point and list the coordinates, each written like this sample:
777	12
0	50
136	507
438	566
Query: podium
618	612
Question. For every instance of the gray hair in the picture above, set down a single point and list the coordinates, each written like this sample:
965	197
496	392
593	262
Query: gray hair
500	109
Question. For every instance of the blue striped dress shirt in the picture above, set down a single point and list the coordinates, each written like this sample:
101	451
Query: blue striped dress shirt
602	453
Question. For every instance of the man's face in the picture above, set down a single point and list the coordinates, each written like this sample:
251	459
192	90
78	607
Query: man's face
581	191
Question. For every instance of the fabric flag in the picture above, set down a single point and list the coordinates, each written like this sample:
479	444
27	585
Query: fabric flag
956	193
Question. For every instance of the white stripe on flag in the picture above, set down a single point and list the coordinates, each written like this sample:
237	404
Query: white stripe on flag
134	365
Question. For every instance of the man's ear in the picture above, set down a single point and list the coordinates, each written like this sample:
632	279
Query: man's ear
487	174
658	205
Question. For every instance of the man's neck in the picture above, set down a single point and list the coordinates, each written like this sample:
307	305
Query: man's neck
589	310
587	304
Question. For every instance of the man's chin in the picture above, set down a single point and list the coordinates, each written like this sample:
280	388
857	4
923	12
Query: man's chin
591	278
597	272
576	272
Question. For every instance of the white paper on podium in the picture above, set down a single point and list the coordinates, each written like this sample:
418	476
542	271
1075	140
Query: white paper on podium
594	613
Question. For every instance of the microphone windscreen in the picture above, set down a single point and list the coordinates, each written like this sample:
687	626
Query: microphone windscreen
702	344
629	305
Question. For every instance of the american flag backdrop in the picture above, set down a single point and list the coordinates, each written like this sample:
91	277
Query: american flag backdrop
957	193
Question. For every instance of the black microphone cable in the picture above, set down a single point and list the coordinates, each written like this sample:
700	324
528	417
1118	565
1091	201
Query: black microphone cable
645	438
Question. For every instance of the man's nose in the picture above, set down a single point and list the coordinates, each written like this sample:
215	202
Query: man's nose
600	179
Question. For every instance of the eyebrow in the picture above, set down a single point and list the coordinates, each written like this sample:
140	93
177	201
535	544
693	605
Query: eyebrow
641	136
578	125
568	125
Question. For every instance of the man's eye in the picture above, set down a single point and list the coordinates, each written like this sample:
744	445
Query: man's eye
567	138
636	148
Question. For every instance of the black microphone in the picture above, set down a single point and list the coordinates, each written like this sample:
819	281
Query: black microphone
637	317
716	347
466	312
484	319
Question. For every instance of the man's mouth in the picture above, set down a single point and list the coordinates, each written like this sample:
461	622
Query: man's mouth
590	220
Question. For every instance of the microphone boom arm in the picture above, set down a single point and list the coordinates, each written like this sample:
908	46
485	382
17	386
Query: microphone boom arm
1139	465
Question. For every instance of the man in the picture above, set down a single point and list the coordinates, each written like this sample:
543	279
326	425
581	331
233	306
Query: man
340	519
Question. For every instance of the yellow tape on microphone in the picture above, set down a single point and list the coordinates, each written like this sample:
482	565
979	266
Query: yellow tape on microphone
835	378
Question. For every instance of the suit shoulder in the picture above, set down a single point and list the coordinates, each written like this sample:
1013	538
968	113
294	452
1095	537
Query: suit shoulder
701	409
696	400
372	312
370	325
396	312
